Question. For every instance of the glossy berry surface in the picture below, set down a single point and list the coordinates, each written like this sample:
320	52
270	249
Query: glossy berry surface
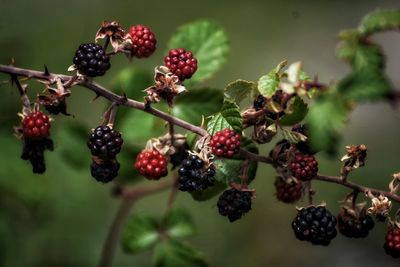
151	164
316	225
104	172
304	167
91	60
225	143
234	204
353	226
143	41
182	63
105	142
288	192
193	176
259	102
36	125
392	242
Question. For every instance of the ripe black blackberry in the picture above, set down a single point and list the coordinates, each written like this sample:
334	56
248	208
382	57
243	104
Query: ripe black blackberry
353	226
91	60
33	150
234	204
315	224
105	142
259	102
193	176
288	191
181	153
105	171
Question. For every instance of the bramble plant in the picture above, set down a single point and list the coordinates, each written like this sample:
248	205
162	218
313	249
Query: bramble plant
218	154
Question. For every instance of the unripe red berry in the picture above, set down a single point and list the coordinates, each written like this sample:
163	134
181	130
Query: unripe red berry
304	167
36	125
151	164
182	63
392	242
143	41
225	143
288	192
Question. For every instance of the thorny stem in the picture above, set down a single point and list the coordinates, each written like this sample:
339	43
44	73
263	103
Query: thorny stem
24	98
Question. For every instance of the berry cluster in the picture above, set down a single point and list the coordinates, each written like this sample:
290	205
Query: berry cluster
304	167
91	60
151	164
35	125
288	192
315	224
392	242
182	63
143	41
105	171
353	226
225	143
193	176
234	204
259	102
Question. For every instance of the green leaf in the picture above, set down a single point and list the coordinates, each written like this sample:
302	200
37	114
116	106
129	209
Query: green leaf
132	81
238	90
362	56
208	193
293	137
364	86
177	254
178	223
295	112
228	117
191	106
268	84
380	20
209	45
140	233
326	119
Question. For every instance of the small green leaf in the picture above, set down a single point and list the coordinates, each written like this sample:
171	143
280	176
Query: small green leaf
380	20
296	112
268	84
191	106
178	224
209	45
238	90
140	233
228	117
293	137
173	253
132	81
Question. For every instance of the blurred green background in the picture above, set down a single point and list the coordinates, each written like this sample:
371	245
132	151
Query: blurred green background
61	218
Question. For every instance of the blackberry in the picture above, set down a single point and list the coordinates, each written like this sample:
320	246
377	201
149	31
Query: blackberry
193	176
259	102
234	204
33	150
288	192
304	167
180	154
143	41
392	242
225	143
105	142
91	60
315	225
353	226
182	63
35	125
105	171
151	164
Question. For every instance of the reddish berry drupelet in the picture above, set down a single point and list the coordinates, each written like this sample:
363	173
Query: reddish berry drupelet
143	41
392	242
288	192
182	63
304	167
225	143
36	125
151	164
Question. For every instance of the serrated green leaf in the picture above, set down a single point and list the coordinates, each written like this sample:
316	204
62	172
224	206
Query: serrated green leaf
177	254
380	20
295	112
191	106
209	45
361	56
208	193
238	90
178	223
268	84
228	117
140	233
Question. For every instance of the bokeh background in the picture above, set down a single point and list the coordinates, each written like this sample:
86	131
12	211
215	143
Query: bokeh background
61	218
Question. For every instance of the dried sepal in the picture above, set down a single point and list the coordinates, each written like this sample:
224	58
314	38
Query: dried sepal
322	204
113	31
348	206
164	144
282	152
264	133
55	99
355	156
202	149
381	206
251	116
395	183
166	86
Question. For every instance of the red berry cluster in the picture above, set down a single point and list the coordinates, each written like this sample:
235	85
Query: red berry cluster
288	192
392	242
225	143
143	41
182	63
36	125
304	167
151	164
